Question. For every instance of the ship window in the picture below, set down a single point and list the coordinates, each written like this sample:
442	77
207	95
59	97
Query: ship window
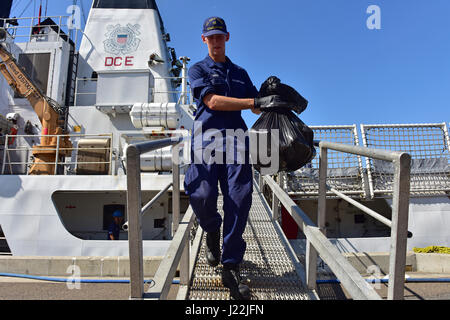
36	67
122	4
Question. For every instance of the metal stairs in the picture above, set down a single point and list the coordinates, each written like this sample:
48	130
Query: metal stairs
270	268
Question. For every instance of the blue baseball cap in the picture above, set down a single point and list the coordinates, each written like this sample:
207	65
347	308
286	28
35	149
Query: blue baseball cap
118	214
214	25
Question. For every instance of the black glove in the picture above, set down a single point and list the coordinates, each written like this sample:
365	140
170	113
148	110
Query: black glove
271	102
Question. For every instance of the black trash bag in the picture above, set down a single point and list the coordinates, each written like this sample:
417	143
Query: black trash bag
273	86
295	141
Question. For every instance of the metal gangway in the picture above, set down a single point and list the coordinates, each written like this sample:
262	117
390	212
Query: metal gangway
270	265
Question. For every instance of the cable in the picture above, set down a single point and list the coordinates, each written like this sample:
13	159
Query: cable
15	5
26	7
82	11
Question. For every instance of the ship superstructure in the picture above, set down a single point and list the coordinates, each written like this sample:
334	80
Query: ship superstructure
122	86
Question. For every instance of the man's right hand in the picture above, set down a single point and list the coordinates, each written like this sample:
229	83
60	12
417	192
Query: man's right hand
256	111
270	102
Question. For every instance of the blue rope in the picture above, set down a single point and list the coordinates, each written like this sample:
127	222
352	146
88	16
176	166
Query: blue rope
41	278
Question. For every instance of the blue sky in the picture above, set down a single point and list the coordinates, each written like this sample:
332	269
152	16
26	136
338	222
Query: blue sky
323	48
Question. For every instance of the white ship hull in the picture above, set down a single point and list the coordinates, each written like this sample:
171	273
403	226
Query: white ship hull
33	226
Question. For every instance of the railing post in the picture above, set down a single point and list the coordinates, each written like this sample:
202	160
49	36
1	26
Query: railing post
276	203
311	252
59	27
57	154
186	256
311	265
260	182
446	137
322	201
369	171
134	222
175	188
399	229
5	150
31	29
184	265
184	79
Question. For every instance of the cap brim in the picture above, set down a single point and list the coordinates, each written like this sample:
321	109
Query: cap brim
212	32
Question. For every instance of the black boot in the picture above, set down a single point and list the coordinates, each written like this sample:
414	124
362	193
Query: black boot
232	280
213	248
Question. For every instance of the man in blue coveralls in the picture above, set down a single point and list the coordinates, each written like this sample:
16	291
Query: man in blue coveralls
221	90
115	226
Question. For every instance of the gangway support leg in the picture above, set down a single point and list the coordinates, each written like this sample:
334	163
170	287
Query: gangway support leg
399	229
311	266
175	188
311	253
134	223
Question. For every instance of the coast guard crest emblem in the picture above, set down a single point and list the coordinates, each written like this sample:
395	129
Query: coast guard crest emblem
122	40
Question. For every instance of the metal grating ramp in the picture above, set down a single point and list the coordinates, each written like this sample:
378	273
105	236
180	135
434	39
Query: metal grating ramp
267	267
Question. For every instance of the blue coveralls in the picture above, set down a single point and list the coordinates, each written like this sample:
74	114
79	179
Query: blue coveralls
202	177
113	229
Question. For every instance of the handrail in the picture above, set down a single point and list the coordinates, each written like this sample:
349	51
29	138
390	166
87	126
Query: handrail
357	287
184	94
358	150
149	204
28	24
318	243
360	206
134	208
400	206
179	250
365	209
57	148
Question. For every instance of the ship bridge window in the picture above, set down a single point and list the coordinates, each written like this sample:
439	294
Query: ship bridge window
125	4
36	66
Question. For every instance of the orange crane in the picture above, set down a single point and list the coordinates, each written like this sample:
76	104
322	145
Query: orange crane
47	111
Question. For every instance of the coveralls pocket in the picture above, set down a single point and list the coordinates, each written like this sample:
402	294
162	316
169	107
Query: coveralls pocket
189	179
219	83
239	88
